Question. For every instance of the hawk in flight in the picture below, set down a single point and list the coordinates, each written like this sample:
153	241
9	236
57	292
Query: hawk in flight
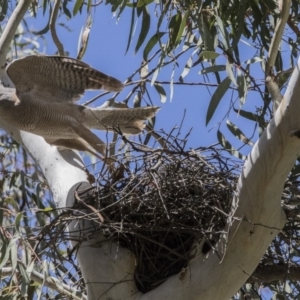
47	86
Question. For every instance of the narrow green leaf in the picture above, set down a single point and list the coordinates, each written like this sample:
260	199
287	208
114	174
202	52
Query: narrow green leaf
13	180
181	28
209	55
230	73
33	9
14	255
161	92
18	221
224	33
213	69
157	70
174	27
112	148
238	133
171	84
151	43
46	2
144	29
186	69
46	28
162	14
84	38
207	36
242	87
1	212
216	98
5	257
189	41
37	200
151	124
137	100
122	7
47	209
248	115
23	186
25	280
228	147
65	9
4	7
139	11
131	28
88	7
77	6
253	60
240	20
162	141
144	2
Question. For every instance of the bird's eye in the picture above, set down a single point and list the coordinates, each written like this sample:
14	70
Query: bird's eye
5	65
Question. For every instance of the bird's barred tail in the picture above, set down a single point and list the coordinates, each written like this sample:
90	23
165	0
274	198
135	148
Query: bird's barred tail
128	120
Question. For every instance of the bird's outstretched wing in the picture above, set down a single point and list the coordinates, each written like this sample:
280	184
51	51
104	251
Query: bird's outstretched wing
129	120
57	79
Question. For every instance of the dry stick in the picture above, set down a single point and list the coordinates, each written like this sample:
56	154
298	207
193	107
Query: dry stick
55	38
94	210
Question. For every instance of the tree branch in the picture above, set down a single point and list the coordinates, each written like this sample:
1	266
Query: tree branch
59	45
278	32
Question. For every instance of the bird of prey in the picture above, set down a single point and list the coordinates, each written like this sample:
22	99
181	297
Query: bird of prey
47	86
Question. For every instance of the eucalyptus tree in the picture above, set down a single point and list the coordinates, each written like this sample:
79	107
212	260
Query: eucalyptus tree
244	53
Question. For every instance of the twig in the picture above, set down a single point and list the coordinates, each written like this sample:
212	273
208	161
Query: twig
94	210
285	10
52	22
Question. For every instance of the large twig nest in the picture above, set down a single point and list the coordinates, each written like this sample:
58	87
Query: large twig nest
169	201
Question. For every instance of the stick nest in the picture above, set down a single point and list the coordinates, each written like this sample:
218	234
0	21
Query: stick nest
159	204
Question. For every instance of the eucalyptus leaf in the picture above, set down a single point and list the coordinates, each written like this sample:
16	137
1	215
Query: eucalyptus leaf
228	147
161	92
151	43
144	29
216	98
